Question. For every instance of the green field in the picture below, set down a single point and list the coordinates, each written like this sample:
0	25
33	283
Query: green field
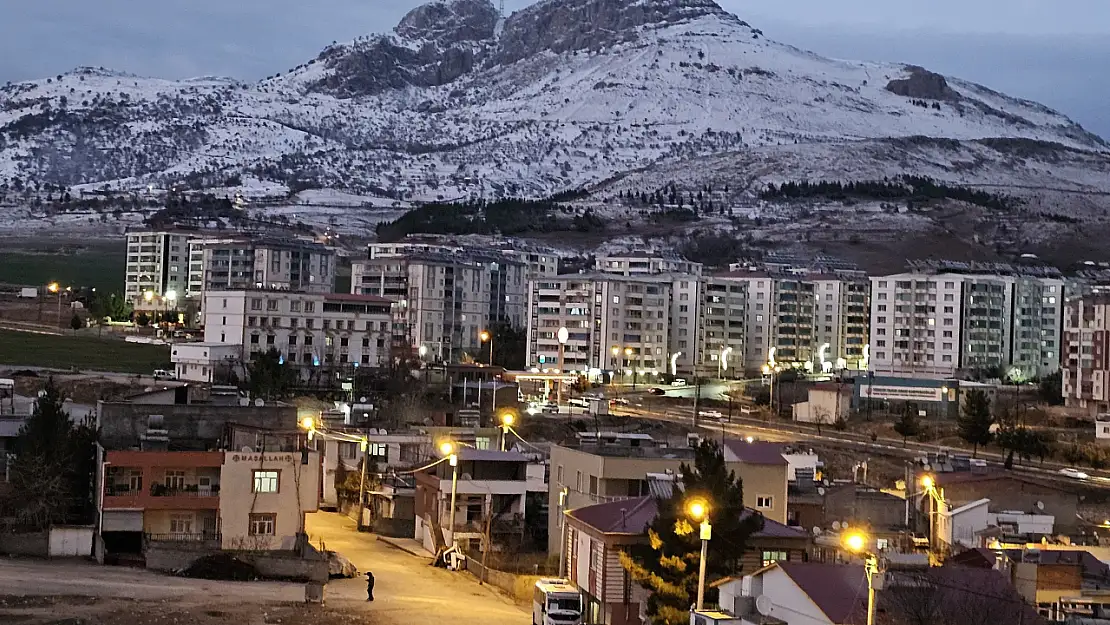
86	353
99	264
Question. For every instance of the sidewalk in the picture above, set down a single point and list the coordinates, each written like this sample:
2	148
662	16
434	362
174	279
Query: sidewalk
408	545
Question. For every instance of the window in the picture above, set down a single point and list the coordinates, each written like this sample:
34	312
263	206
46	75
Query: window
265	482
770	557
263	524
175	479
181	523
764	502
593	484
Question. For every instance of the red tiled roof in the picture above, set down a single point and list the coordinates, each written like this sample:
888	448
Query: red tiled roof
632	516
757	452
839	590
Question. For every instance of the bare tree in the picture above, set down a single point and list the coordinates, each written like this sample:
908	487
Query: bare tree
952	595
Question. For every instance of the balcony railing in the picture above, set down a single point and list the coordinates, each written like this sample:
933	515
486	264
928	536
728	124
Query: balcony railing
197	538
189	490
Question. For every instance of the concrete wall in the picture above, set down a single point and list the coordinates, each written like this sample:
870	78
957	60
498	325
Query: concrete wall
274	565
395	528
519	587
761	480
35	544
63	541
1010	494
198	426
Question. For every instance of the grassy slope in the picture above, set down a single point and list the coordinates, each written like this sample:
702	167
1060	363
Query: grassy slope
100	264
41	350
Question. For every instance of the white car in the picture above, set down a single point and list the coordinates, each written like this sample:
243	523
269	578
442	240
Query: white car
710	414
1074	474
678	382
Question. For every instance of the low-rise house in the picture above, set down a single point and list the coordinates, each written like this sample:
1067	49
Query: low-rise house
596	535
1012	493
491	488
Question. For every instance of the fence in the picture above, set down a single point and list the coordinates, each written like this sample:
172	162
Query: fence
519	587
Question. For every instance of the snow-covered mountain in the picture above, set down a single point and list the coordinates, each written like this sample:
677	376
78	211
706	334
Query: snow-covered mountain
458	101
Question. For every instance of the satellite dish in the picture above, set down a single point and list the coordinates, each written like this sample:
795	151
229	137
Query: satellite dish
817	530
1040	505
362	400
243	401
466	476
247	449
764	605
836	525
820	490
259	403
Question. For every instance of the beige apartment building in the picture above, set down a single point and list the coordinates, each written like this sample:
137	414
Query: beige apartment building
615	466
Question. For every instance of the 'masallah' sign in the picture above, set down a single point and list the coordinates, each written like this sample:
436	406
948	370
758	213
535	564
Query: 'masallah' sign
260	458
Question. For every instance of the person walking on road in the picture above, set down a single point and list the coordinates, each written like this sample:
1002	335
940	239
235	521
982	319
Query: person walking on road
369	586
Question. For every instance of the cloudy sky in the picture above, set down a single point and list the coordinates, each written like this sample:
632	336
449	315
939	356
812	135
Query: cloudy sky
1053	51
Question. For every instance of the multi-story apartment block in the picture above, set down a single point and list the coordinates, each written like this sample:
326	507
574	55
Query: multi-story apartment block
446	301
158	261
248	262
309	329
841	316
931	324
1086	366
539	262
645	263
614	323
721	328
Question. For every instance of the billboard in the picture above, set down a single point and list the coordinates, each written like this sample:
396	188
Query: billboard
901	393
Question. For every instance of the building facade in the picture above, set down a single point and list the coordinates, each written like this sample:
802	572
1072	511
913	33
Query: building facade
308	329
158	261
1086	368
248	262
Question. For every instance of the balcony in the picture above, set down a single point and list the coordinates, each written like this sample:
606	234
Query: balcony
200	541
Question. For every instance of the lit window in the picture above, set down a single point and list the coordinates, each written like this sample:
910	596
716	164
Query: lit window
263	524
265	482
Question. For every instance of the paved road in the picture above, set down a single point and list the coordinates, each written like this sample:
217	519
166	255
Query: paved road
406	585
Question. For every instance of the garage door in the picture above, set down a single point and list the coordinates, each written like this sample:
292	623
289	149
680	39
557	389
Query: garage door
122	521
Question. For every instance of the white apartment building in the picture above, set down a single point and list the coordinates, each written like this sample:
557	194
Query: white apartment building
1086	366
930	325
309	329
721	314
644	263
158	262
538	262
615	323
446	301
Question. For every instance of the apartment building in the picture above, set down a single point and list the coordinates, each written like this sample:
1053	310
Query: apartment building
614	466
247	262
614	323
158	261
720	314
217	499
1086	366
309	329
447	300
538	261
931	324
645	263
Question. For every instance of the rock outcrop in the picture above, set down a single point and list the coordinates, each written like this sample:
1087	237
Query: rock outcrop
923	84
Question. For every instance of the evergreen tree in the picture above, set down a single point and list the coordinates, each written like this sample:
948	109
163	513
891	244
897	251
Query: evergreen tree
907	425
668	565
75	323
975	423
269	378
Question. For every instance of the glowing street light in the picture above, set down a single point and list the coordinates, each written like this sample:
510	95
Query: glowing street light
447	448
856	542
698	510
507	419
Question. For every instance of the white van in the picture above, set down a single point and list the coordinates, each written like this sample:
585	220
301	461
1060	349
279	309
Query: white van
556	602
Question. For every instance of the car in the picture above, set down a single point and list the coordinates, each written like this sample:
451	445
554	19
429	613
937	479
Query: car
710	414
657	391
620	401
678	382
162	374
550	407
580	402
1074	474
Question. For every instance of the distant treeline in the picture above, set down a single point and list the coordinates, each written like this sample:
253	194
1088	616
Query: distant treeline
508	216
909	188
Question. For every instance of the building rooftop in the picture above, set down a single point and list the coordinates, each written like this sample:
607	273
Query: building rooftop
630	451
838	590
633	515
351	297
968	477
756	452
470	454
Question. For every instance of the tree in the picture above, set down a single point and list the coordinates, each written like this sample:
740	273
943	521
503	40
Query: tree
269	377
1052	390
668	564
75	323
907	425
821	417
142	319
112	306
975	423
52	473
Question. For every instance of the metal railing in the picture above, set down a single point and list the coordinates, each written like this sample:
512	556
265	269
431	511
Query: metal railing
189	490
201	537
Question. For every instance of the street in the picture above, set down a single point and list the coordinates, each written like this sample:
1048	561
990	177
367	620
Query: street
405	584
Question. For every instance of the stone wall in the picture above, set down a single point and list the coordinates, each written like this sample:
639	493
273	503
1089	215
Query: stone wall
394	528
199	425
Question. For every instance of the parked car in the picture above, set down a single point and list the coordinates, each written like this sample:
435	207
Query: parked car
678	382
162	374
620	401
657	391
711	414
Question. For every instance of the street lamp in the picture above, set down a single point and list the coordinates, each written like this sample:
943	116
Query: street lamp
698	510
722	362
563	335
856	542
448	449
487	336
507	419
627	358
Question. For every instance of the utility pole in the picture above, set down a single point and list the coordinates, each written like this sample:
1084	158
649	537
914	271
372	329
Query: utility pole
488	546
365	445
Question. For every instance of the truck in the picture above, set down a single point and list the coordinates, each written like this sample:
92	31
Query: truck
556	602
29	292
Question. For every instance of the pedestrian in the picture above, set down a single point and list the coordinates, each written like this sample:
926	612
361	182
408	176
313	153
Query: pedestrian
369	586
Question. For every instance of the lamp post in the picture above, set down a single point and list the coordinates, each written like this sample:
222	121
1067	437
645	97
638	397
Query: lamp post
563	336
698	510
856	542
627	358
423	351
507	419
171	297
929	484
616	352
448	449
487	337
722	362
563	555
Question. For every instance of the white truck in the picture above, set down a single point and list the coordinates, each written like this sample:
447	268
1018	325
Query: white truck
29	292
556	602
